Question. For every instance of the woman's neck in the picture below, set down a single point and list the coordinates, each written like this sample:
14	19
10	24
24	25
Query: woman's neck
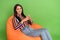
21	17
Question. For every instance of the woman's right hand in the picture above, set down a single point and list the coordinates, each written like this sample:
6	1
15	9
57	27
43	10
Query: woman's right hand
25	19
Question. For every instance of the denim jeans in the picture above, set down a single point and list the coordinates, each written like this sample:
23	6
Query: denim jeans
39	32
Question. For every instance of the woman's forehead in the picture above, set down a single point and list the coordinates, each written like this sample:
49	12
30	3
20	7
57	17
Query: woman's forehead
18	7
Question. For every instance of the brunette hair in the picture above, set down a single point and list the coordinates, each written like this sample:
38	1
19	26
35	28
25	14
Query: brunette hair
15	13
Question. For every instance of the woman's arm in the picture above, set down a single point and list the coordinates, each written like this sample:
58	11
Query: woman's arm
16	24
20	24
30	19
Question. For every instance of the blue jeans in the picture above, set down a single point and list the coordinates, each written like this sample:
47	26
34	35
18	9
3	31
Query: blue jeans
39	32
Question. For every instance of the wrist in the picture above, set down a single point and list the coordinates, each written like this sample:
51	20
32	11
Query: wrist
21	22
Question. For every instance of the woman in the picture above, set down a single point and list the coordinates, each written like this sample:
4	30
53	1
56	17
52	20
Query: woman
23	23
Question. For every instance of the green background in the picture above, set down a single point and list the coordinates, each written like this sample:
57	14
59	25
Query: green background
43	12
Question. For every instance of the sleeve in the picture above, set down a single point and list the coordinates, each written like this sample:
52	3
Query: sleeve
17	25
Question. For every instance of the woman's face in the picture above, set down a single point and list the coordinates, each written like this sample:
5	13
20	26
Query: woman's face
19	10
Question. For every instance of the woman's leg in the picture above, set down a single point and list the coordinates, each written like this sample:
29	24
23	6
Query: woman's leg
47	34
43	35
38	33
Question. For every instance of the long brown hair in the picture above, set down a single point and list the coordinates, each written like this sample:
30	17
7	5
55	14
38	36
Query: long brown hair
15	13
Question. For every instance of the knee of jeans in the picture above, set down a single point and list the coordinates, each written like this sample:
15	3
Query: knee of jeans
44	29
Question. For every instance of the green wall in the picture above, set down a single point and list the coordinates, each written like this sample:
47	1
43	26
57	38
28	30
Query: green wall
43	12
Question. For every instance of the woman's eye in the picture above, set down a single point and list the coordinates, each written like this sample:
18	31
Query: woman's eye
18	9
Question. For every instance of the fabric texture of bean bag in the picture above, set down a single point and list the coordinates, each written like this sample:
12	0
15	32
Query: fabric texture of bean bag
17	34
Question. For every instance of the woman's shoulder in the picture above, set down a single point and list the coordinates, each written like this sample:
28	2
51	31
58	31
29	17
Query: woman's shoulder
14	18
